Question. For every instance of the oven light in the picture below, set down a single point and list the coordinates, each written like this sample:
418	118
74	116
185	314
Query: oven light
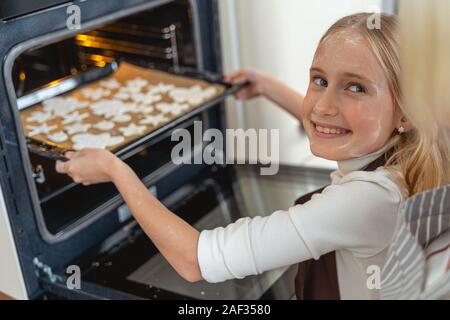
100	64
96	57
81	37
53	83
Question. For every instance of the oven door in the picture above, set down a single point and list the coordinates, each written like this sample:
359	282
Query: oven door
127	265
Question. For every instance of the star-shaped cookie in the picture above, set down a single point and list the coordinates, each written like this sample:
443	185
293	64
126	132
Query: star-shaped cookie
104	125
74	117
101	141
77	128
132	130
40	117
42	129
154	120
58	137
172	108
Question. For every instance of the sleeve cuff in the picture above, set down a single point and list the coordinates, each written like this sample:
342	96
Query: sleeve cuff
207	259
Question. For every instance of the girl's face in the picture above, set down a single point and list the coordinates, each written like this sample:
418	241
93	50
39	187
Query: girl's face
348	110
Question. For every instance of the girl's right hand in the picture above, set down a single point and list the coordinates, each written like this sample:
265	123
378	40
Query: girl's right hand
255	87
90	166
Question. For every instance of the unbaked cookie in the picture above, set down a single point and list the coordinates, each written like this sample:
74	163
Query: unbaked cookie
40	117
210	92
133	130
142	109
111	108
122	95
58	137
61	106
77	128
194	95
154	120
42	129
101	141
111	84
104	125
121	118
74	117
172	108
95	94
137	83
161	88
146	98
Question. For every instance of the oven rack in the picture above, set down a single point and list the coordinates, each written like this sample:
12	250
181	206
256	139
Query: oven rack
111	41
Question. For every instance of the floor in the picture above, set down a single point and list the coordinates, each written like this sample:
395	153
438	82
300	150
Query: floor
4	297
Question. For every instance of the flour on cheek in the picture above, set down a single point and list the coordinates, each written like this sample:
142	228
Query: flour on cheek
371	129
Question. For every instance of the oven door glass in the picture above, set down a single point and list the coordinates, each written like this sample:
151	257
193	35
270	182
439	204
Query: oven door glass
158	273
135	266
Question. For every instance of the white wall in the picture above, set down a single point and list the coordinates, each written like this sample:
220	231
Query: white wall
279	37
11	280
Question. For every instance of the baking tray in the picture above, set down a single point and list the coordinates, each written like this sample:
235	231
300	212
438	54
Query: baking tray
72	87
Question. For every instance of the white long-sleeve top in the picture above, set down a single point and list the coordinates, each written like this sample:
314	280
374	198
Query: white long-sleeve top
355	216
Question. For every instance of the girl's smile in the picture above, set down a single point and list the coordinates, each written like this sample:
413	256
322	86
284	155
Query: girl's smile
328	131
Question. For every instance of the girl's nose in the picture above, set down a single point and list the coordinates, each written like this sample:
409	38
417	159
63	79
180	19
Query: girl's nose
327	104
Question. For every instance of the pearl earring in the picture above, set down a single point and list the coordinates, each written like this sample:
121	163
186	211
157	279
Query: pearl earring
401	130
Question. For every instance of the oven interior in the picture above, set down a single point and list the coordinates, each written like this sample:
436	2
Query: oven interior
160	38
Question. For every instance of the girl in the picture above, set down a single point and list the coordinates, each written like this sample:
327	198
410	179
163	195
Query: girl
351	114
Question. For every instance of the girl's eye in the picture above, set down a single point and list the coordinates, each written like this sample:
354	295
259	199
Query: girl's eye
357	89
320	82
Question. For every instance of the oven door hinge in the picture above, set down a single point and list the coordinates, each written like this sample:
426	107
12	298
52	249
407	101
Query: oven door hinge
46	272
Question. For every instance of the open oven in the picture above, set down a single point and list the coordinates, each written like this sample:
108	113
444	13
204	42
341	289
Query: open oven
57	223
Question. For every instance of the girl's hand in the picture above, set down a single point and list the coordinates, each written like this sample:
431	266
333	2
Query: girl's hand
89	166
255	79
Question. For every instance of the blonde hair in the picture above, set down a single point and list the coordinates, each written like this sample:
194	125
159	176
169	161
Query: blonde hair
417	164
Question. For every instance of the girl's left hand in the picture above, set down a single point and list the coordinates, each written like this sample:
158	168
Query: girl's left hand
89	166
